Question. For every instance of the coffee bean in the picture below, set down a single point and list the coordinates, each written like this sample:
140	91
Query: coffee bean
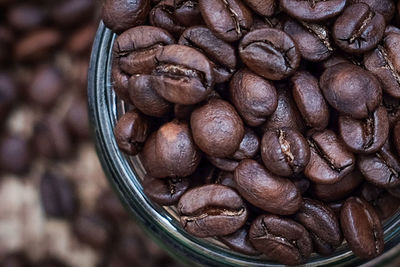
312	39
385	7
309	100
330	161
150	161
222	54
233	21
224	164
339	190
281	239
226	178
187	12
183	75
212	210
254	97
264	8
163	16
302	183
361	228
249	146
365	136
120	15
165	192
265	190
239	241
15	154
81	40
323	225
313	10
270	53
334	60
131	132
358	29
77	119
351	90
217	128
71	13
37	44
285	151
391	29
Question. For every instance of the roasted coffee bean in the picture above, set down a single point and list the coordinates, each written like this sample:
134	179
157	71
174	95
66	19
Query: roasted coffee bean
265	190
225	164
396	137
334	60
330	161
307	10
222	54
71	13
212	210
45	87
385	7
150	161
351	90
120	15
15	154
37	44
77	119
165	192
254	97
239	241
163	16
8	93
143	95
384	203
175	148
285	151
58	196
336	207
339	190
131	132
217	128
361	228
365	136
187	12
26	17
309	100
249	146
233	21
391	29
312	39
358	29
264	8
322	224
281	239
183	75
270	53
384	62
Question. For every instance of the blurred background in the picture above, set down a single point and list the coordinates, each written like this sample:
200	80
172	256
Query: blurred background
56	208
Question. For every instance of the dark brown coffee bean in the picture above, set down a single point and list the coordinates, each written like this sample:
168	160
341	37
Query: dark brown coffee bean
384	62
120	15
25	17
131	132
385	7
365	136
8	93
391	29
184	75
265	190
330	160
165	192
302	183
212	210
322	224
254	97
334	60
270	53
15	154
249	146
143	95
175	148
224	164
382	168
217	128
285	151
312	39
58	196
309	100
351	90
233	21
222	54
313	10
187	12
361	228
358	29
71	13
239	241
77	118
339	190
281	239
264	8
37	44
151	162
163	16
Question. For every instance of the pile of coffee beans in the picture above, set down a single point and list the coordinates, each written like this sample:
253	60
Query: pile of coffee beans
271	125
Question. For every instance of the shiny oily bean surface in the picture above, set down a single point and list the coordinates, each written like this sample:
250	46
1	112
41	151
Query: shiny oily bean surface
152	164
285	151
228	19
239	241
330	160
162	15
351	90
311	10
365	136
270	53
249	146
323	225
385	7
281	239
361	228
211	210
187	12
358	29
254	97
265	190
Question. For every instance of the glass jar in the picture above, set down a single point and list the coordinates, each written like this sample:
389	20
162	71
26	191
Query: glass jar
161	223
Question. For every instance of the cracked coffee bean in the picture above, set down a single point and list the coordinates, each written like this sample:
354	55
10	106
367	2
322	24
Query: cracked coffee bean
385	7
165	192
